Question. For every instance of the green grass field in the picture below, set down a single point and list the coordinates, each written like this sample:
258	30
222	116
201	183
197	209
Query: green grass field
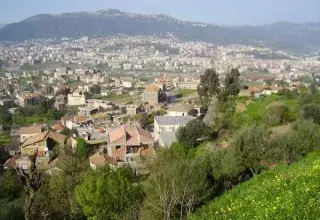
256	110
287	192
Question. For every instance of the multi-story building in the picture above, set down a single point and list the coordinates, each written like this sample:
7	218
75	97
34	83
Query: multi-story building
151	94
129	142
169	124
78	97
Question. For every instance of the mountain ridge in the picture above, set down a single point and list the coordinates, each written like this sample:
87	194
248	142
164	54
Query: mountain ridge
304	37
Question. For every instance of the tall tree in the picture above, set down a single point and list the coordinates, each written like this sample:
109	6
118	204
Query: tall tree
32	180
174	187
209	86
232	84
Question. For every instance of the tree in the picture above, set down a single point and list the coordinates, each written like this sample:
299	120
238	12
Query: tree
107	193
56	197
144	120
174	187
302	139
193	133
82	147
10	187
31	180
311	111
209	86
232	82
249	149
278	114
232	85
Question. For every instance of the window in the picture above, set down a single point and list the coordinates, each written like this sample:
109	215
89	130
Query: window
118	147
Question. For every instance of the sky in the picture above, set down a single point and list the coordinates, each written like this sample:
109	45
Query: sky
222	12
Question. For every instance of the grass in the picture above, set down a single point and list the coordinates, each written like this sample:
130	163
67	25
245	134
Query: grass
287	192
4	139
20	120
183	93
259	106
256	110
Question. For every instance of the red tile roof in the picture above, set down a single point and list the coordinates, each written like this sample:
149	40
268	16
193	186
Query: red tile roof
130	135
152	88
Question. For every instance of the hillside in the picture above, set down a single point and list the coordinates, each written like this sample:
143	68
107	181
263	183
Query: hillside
287	36
281	193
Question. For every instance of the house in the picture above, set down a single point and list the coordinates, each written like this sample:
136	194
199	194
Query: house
167	81
18	161
57	128
166	139
99	103
152	94
131	110
28	98
169	124
87	111
43	144
27	132
78	97
127	84
101	159
71	122
179	110
128	142
245	93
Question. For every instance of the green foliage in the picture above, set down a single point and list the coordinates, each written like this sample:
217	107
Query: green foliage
11	209
232	84
185	92
278	114
10	187
249	149
193	133
260	110
209	86
174	187
107	193
311	111
303	139
288	192
82	147
67	132
56	197
5	140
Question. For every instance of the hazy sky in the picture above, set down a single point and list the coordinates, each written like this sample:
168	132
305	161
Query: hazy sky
229	12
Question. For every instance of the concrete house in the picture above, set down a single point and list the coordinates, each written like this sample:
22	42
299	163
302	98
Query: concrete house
27	132
179	110
152	94
169	124
42	144
78	97
128	142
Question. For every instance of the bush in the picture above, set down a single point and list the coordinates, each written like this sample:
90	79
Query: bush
278	114
311	111
193	133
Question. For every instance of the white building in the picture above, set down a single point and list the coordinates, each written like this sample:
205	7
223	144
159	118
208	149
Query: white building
127	84
169	124
78	97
